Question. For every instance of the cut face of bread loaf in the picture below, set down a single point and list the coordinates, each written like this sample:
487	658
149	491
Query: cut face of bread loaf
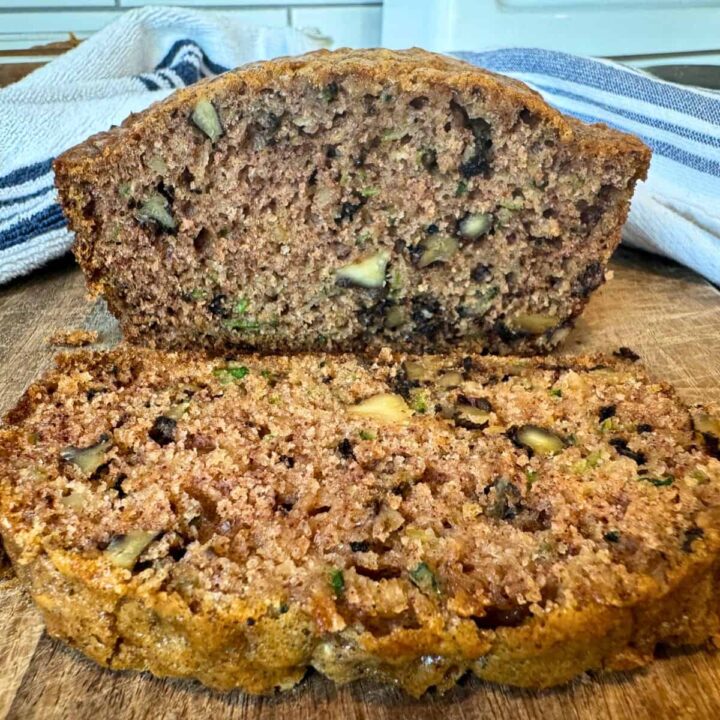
348	200
403	518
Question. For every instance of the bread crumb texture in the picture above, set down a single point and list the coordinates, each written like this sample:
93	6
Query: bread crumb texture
403	518
350	199
74	337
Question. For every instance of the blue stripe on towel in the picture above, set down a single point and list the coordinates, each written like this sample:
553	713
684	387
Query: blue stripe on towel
25	174
50	218
18	200
167	77
149	83
187	72
214	68
171	54
186	60
667	149
184	45
181	52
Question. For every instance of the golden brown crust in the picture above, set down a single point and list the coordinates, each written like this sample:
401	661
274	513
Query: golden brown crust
608	563
407	67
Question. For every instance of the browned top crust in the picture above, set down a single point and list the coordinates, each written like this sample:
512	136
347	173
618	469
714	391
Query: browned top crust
412	69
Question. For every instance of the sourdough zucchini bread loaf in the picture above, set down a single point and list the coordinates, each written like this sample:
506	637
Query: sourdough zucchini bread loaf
346	200
408	519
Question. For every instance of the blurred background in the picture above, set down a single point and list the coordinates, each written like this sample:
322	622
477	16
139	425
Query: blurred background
647	33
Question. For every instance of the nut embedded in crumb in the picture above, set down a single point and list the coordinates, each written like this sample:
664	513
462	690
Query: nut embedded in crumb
74	337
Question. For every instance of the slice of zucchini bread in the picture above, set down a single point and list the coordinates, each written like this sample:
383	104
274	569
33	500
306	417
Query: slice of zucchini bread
346	200
408	519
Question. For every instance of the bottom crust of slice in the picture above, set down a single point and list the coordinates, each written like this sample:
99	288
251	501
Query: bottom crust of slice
160	634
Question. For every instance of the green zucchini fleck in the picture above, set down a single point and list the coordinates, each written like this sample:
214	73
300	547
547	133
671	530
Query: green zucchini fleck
245	324
424	578
238	320
608	425
419	402
241	306
531	476
664	481
227	374
337	582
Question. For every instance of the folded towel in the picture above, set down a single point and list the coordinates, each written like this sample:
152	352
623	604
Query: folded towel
147	53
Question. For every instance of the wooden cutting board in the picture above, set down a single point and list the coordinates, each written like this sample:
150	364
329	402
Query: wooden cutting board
667	314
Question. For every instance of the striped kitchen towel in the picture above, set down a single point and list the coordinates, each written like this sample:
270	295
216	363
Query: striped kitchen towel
138	59
146	53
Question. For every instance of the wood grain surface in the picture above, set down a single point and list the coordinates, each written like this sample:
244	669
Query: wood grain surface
668	315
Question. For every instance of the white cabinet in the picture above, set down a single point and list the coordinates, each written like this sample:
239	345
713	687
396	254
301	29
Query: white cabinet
28	23
610	28
663	29
357	26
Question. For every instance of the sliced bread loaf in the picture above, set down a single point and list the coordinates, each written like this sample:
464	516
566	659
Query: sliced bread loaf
407	519
350	199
